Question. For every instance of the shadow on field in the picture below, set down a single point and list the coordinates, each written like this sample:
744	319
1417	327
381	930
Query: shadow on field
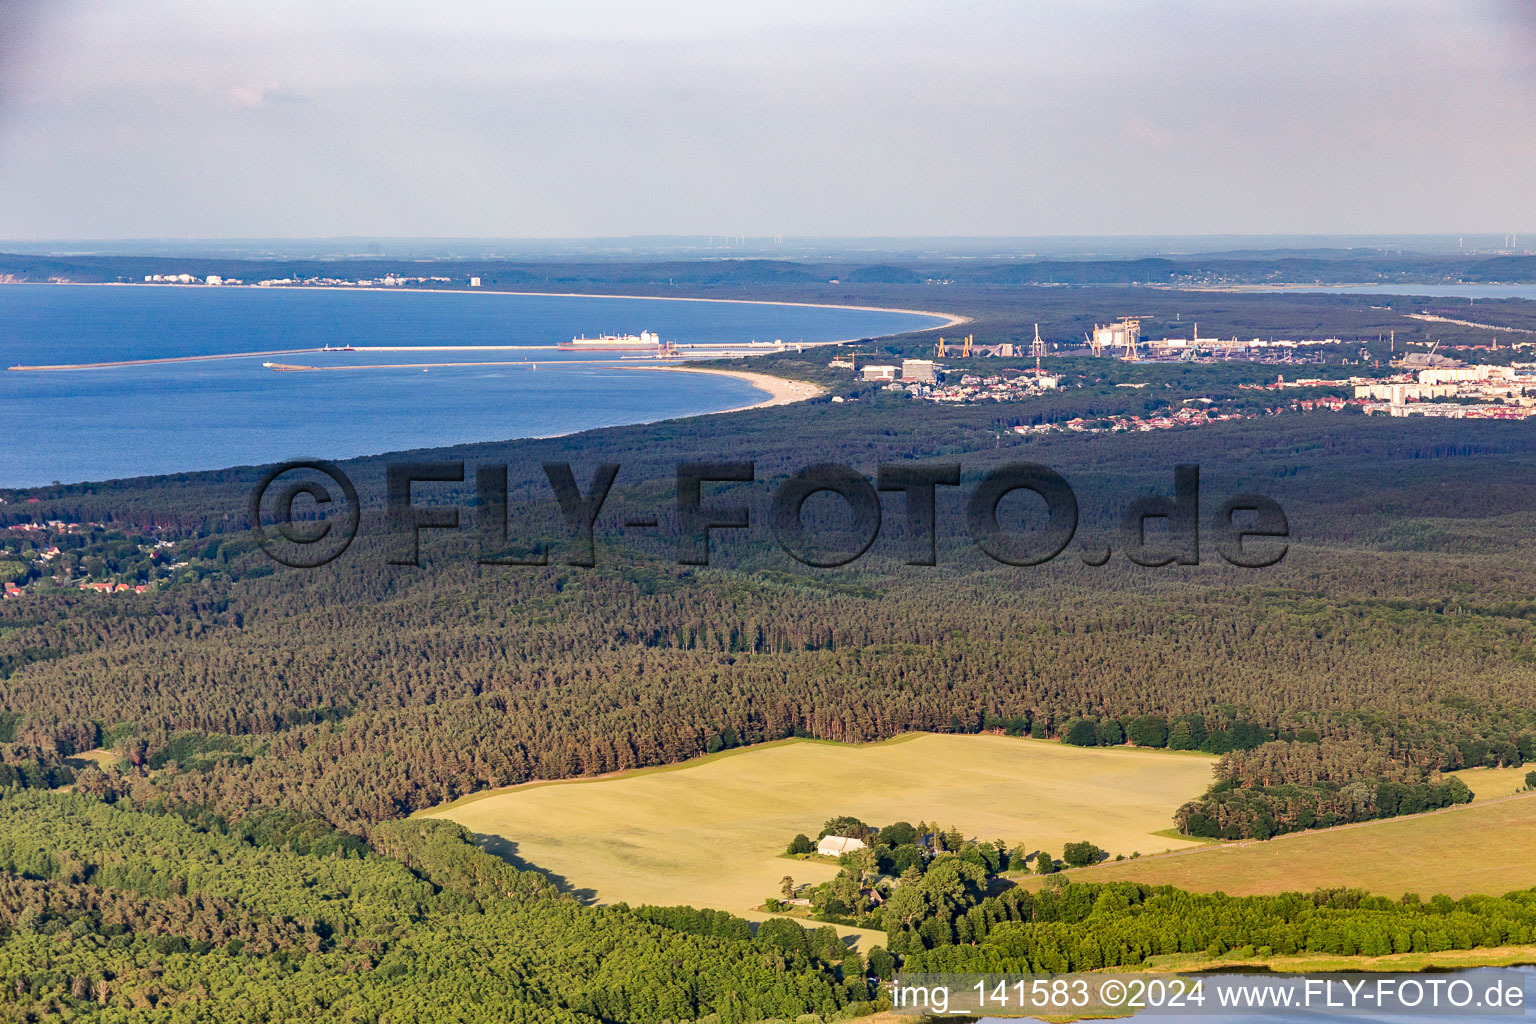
506	849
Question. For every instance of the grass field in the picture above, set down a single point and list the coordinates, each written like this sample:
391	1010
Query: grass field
101	757
1484	847
709	833
1492	783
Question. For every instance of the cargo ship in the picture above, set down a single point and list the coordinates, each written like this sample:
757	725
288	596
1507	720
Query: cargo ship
645	341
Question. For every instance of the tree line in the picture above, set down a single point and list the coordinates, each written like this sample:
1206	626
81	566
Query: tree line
1080	927
107	911
1287	786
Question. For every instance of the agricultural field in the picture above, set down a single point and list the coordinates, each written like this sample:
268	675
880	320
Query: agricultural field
1493	783
710	832
1483	847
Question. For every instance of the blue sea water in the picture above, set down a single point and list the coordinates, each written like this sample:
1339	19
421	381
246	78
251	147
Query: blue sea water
136	420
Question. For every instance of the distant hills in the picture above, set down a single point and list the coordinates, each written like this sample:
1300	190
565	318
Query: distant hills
1251	267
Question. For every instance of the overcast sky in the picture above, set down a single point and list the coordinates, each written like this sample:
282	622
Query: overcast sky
568	118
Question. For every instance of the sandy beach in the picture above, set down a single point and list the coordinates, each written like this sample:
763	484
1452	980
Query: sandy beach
950	319
781	391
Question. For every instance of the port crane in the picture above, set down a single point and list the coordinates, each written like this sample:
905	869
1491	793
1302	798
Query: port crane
1037	349
1128	329
965	351
1132	338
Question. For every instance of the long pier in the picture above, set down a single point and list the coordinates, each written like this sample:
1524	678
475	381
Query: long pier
166	359
703	350
293	352
292	368
1432	318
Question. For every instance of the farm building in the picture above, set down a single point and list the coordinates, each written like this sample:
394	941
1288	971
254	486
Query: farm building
836	846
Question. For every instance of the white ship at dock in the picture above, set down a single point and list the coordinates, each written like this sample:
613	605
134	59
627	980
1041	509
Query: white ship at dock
645	341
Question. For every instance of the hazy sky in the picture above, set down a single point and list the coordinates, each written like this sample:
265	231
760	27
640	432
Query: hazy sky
155	118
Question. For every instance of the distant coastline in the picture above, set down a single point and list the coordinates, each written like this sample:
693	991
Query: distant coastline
950	319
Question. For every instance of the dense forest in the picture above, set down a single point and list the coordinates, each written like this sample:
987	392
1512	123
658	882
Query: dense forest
1409	634
238	843
1085	927
117	913
452	681
112	912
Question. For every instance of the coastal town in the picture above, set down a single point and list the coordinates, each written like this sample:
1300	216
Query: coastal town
1418	383
389	280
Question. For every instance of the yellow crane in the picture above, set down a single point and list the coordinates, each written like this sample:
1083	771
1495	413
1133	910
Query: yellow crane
965	352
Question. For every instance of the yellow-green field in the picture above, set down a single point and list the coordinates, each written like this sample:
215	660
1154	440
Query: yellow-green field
1492	783
101	757
1484	847
710	832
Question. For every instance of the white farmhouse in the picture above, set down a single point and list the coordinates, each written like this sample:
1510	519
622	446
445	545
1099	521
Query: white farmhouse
836	846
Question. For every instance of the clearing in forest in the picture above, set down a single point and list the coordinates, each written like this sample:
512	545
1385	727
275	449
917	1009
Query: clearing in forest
710	832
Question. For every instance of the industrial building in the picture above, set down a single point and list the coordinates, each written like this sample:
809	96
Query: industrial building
922	370
1120	338
1398	393
1459	374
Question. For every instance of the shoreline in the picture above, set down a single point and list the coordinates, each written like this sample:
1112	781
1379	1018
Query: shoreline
950	319
781	390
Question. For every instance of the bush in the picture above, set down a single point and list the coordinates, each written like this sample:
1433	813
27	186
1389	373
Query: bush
782	934
1080	855
1081	733
1228	811
718	923
853	828
1149	731
800	844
